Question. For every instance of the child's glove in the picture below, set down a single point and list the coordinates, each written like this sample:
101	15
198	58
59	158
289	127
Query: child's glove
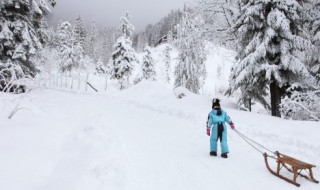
208	131
232	126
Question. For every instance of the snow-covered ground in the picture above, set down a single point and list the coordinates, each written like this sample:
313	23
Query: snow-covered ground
141	138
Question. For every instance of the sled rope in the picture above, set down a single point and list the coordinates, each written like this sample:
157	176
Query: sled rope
247	139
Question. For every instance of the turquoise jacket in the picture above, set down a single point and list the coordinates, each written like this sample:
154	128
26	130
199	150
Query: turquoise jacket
213	120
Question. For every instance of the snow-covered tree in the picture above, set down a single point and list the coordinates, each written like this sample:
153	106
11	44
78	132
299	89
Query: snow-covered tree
106	46
80	31
23	32
167	61
219	18
271	49
190	70
123	59
148	65
70	51
123	56
92	39
126	29
315	65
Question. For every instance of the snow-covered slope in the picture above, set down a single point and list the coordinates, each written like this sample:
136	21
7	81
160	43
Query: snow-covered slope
142	138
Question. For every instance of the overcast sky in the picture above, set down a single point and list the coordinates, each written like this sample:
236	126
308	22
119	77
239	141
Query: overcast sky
108	12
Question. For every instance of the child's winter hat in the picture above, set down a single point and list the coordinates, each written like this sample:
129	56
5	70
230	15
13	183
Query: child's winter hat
215	102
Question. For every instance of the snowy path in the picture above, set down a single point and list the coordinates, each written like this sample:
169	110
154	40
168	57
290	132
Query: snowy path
97	142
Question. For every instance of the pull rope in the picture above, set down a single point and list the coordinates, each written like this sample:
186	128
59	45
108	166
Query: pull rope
247	139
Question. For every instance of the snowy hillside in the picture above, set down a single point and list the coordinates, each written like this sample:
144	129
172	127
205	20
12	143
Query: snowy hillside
96	108
141	138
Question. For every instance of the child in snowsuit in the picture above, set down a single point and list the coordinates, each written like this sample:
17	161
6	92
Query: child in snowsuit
217	128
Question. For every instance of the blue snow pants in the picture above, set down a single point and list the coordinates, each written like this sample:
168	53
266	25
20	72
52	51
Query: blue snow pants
218	130
219	134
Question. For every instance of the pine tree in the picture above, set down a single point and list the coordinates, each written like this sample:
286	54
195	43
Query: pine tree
106	46
80	31
148	65
70	50
190	71
126	29
23	32
271	45
167	60
315	65
92	40
123	57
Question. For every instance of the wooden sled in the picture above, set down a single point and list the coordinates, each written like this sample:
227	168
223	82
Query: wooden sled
292	165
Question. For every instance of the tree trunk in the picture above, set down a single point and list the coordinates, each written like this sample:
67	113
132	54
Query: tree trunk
275	93
249	104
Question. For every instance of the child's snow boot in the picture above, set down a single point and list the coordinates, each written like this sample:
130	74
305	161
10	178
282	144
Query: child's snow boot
212	153
224	155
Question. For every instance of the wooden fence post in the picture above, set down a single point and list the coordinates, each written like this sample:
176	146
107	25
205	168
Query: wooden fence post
86	83
61	77
106	83
71	82
45	80
79	81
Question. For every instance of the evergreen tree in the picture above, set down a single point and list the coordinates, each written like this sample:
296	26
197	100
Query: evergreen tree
315	65
126	29
80	31
92	40
271	45
23	32
70	50
148	65
106	45
190	71
167	60
123	57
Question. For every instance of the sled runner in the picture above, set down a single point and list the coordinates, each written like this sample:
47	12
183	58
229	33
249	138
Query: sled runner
293	166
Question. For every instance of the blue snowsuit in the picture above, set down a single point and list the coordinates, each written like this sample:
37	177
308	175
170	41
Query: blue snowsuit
218	130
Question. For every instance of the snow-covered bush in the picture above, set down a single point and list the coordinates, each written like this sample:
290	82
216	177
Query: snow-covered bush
300	105
181	92
100	68
9	76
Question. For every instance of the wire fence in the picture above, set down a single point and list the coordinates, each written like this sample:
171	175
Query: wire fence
72	81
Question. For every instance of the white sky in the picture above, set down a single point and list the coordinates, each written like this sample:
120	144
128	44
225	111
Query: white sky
108	12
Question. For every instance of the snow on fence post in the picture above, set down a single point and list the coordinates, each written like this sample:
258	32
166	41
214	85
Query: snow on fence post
86	82
66	81
45	80
71	82
79	81
106	83
61	79
51	80
39	80
56	82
